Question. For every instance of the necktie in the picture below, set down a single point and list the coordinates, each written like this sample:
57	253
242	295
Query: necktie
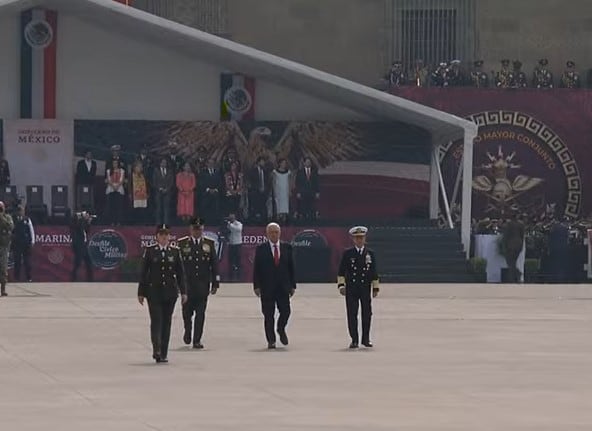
308	173
163	172
276	255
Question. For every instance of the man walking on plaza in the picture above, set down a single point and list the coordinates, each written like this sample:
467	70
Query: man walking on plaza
274	282
358	282
162	277
201	271
6	228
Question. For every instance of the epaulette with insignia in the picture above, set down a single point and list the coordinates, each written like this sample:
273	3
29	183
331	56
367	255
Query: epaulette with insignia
184	238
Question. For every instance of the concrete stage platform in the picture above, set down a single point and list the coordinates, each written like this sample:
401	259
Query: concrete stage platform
447	358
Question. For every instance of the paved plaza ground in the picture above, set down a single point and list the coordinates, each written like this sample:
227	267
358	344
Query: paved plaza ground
446	358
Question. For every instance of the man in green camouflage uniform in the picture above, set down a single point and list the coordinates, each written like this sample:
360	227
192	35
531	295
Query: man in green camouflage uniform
6	228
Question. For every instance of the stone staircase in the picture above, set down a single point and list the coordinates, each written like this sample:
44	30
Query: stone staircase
419	254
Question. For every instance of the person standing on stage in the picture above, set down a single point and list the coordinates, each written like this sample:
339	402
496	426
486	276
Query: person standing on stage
201	271
358	282
161	279
22	244
274	282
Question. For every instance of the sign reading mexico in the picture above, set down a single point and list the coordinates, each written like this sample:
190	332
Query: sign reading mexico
520	165
40	153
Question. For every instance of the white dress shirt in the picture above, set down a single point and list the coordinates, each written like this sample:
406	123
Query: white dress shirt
236	233
271	245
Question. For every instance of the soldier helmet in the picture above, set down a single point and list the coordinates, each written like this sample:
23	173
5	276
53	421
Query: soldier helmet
162	228
115	147
455	62
517	64
505	62
543	62
358	231
196	222
478	63
397	63
571	64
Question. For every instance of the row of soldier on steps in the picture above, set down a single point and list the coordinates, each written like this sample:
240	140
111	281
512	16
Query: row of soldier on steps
451	75
190	268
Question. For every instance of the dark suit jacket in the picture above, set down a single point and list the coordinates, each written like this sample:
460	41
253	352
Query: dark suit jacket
163	182
254	180
200	264
271	279
214	181
162	275
307	187
83	175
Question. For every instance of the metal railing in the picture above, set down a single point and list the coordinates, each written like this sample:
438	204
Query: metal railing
431	30
205	15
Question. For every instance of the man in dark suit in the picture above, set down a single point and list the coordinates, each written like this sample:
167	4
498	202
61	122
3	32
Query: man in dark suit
307	190
161	279
259	188
274	282
212	188
80	232
163	180
175	161
201	271
86	173
86	170
358	282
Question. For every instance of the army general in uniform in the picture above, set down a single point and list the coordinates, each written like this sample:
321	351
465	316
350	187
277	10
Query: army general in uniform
201	272
358	282
162	278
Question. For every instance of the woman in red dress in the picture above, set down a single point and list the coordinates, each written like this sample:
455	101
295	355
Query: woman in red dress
186	193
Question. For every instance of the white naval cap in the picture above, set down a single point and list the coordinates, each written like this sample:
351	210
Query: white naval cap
358	231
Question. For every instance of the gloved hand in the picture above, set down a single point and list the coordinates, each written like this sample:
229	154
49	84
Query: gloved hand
342	290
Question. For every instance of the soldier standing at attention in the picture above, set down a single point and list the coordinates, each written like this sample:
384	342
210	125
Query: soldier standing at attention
6	228
358	282
504	78
201	271
519	77
570	78
478	77
162	278
543	78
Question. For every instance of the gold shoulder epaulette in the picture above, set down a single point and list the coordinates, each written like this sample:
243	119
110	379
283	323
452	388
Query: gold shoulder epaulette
184	238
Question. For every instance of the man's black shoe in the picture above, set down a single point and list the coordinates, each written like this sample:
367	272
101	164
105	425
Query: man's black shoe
187	338
353	345
198	346
271	346
367	344
283	337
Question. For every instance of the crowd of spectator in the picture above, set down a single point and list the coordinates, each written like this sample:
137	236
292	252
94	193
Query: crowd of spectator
509	75
152	189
